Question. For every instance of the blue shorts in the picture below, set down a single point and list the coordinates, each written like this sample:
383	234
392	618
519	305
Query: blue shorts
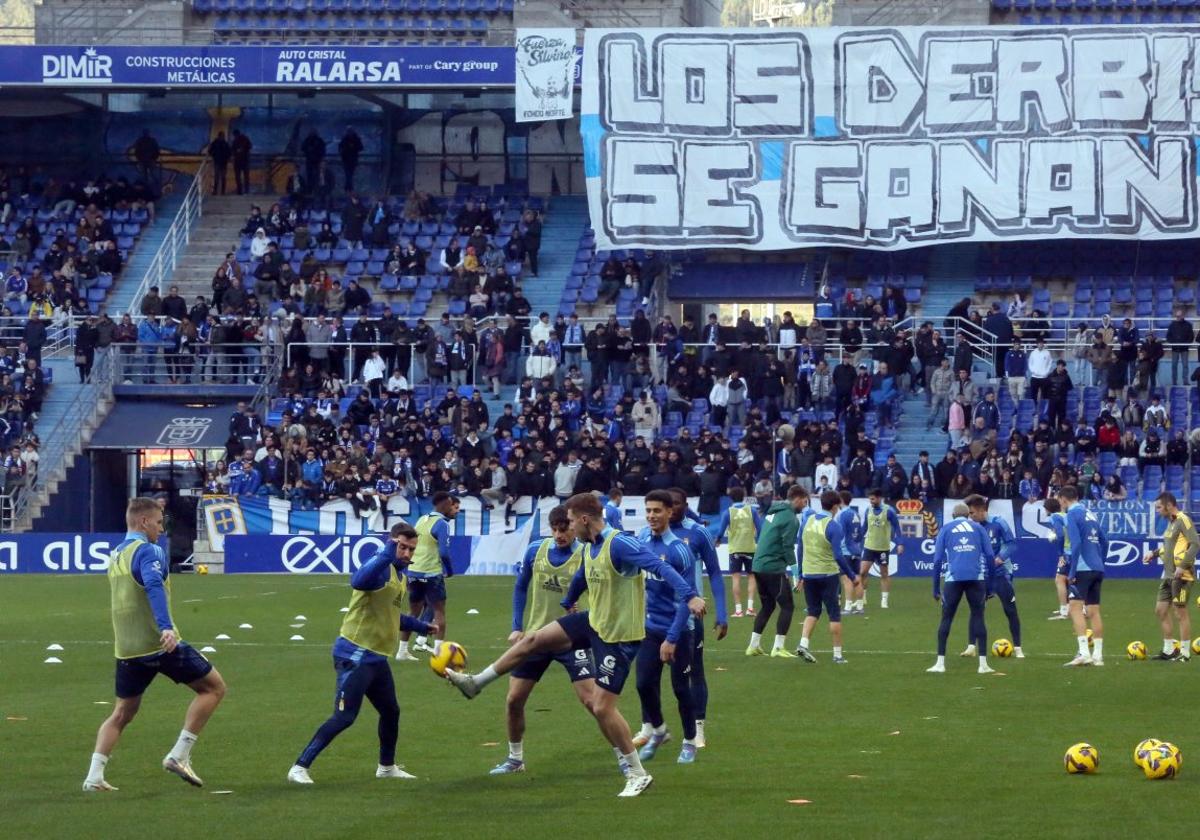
823	592
1001	586
1063	568
430	590
578	663
613	659
741	564
184	665
878	558
1086	587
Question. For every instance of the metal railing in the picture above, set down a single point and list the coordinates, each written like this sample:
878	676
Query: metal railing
355	353
60	332
223	364
175	240
54	444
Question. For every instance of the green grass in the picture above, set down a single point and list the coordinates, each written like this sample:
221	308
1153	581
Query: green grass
879	747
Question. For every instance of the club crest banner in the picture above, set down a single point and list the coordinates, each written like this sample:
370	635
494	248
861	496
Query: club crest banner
770	139
545	74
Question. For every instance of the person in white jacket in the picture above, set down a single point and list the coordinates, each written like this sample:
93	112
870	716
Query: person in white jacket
1040	364
397	382
540	363
542	331
718	399
258	245
373	372
646	418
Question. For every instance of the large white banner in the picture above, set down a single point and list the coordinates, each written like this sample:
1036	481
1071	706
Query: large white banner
891	137
545	74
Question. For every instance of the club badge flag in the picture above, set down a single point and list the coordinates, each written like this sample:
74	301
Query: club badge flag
545	73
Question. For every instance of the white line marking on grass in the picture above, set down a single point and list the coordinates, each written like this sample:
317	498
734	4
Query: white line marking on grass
193	600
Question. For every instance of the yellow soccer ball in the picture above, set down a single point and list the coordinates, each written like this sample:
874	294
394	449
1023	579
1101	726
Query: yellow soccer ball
1136	650
1089	637
1162	762
1142	751
1196	646
1002	648
451	656
1082	758
202	569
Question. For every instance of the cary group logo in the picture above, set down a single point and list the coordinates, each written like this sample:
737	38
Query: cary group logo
91	68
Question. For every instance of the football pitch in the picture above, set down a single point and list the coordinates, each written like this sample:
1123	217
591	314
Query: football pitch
875	748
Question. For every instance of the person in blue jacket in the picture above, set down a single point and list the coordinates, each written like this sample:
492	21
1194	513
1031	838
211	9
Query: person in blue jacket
964	552
1087	548
1000	583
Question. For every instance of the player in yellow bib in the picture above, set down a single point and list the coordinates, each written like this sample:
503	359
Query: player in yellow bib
542	580
881	531
743	523
370	632
428	572
147	644
613	573
1178	554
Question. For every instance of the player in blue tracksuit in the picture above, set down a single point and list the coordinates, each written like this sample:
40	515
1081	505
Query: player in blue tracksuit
1056	521
686	526
852	545
612	510
965	552
1087	548
1000	583
668	633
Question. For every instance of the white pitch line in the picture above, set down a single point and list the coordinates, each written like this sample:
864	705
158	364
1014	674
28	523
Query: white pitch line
193	600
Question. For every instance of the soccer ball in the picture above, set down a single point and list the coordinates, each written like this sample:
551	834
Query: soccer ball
1196	646
1162	762
451	656
1082	758
1142	750
1136	650
202	569
1002	648
1089	637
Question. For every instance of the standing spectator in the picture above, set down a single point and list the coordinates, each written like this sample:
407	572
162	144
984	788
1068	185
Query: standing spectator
1080	342
1127	347
313	149
1016	364
349	149
1058	385
1040	365
1099	356
219	151
531	237
1154	351
146	153
998	324
85	347
1180	336
241	148
34	336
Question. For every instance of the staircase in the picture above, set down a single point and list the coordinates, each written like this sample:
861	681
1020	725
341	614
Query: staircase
125	288
71	412
216	233
566	218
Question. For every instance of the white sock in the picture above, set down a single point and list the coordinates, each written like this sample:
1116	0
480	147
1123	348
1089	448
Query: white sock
1062	609
182	751
780	641
437	645
756	640
700	727
659	730
635	764
849	606
690	741
421	641
885	598
403	649
837	651
804	642
941	660
749	603
646	729
96	771
1168	646
1083	646
982	662
1185	648
737	607
486	676
860	603
516	750
1097	648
